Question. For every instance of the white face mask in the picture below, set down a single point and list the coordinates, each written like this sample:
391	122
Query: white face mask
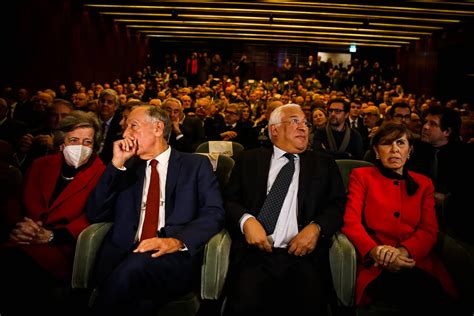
76	155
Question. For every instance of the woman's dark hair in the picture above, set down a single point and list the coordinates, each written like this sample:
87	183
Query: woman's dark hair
389	132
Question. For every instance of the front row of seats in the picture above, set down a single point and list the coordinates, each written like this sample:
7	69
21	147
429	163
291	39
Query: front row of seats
216	257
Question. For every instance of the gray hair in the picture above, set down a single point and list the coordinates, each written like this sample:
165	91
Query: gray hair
171	100
111	92
156	114
275	117
78	119
63	102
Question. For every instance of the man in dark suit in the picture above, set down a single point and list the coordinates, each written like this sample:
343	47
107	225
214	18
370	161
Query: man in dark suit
110	117
234	130
186	132
288	268
140	267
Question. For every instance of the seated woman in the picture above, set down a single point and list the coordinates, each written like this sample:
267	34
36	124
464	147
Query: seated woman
319	117
38	257
391	220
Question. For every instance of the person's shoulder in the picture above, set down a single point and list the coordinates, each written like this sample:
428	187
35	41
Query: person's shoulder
253	153
419	178
48	160
191	159
192	119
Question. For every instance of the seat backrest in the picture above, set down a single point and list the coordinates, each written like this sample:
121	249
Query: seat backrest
222	166
346	166
221	147
342	255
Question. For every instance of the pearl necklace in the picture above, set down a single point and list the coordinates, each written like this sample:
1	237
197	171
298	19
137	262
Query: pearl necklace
66	178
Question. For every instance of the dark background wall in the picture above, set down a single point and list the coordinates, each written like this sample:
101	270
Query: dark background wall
48	42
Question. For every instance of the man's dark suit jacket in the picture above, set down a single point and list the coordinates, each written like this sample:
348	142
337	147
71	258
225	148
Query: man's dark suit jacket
114	133
321	194
193	206
193	135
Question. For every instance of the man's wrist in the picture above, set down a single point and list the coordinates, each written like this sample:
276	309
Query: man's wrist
117	164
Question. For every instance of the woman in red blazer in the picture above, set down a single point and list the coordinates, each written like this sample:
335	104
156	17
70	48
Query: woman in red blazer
39	253
390	218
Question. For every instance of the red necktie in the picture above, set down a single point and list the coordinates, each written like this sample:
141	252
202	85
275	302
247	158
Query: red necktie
150	224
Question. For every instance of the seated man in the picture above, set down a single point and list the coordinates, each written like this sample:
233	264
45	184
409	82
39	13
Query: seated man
338	138
187	132
283	204
165	206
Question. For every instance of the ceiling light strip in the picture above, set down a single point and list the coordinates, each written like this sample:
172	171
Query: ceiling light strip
217	34
228	17
359	7
409	38
266	11
273	26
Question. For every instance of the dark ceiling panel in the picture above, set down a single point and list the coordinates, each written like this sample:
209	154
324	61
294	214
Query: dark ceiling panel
365	23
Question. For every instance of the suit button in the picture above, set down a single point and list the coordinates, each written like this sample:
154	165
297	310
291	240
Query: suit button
395	182
396	214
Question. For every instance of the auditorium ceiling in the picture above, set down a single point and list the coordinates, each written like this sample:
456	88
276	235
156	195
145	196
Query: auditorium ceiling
389	24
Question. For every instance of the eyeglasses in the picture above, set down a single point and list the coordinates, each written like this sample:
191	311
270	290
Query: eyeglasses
231	113
296	122
104	101
402	117
337	111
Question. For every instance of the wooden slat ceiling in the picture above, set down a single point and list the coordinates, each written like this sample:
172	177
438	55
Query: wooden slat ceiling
363	23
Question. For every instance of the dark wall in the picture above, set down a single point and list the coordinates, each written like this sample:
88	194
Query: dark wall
440	65
49	42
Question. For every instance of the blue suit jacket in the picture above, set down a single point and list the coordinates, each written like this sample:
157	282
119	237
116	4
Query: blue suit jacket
193	205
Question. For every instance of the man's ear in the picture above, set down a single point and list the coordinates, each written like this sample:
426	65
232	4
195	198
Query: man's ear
273	130
159	128
61	148
448	132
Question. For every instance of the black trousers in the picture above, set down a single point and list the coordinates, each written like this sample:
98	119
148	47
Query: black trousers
140	283
277	283
411	292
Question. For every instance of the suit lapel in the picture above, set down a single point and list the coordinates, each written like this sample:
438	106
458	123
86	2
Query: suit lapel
263	170
138	188
174	167
304	178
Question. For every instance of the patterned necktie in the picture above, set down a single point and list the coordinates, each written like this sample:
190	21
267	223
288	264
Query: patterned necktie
272	206
150	224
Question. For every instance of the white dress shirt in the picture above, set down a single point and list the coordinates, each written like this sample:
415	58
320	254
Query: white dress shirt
163	160
287	225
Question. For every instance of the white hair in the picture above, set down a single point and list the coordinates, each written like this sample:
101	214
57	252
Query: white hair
275	117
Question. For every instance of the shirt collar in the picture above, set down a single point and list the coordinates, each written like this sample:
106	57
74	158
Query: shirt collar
278	153
162	158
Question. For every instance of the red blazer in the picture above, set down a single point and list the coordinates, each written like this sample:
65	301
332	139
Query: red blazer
67	211
383	206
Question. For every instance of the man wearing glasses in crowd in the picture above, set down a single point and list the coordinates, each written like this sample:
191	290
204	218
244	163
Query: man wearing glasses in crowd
337	138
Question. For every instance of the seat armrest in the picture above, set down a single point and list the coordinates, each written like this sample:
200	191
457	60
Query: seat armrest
87	247
215	265
343	262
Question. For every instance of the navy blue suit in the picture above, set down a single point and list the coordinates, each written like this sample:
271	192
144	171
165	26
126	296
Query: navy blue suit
193	212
